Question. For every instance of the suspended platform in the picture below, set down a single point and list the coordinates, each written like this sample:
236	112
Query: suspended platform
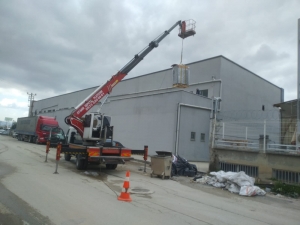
187	29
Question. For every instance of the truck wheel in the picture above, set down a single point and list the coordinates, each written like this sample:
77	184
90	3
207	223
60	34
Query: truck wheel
67	157
81	164
111	166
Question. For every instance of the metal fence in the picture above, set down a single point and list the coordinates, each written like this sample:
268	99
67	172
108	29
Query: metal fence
256	135
251	171
287	176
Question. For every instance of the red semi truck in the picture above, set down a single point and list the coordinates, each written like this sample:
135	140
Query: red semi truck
35	129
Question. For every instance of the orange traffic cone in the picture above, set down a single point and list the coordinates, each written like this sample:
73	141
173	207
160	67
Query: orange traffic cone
125	196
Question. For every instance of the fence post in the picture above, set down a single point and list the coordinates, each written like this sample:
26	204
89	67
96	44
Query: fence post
58	150
145	156
246	133
223	129
47	150
264	147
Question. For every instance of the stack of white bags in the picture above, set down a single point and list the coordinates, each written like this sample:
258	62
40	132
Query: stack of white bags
234	182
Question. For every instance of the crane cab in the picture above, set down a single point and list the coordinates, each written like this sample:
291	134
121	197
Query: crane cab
97	128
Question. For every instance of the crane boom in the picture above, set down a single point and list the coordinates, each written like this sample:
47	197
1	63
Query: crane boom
74	119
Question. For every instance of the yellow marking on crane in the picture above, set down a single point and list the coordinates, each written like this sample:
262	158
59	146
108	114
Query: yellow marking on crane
113	84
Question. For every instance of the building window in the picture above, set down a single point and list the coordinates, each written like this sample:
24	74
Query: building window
202	137
202	92
193	135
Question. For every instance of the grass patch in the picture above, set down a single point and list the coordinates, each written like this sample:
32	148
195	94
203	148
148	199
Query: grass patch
289	190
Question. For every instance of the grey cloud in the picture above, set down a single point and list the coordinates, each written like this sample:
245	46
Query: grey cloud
54	47
265	57
13	106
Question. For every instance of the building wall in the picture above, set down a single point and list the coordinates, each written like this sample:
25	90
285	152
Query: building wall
144	108
151	119
201	77
243	90
65	101
266	162
202	71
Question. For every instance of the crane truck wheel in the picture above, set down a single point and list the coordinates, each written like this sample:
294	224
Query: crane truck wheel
67	157
81	163
111	166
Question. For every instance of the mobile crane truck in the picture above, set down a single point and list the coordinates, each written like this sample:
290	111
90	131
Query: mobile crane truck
94	128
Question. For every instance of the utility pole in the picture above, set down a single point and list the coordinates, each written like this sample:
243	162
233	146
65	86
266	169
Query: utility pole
30	102
298	89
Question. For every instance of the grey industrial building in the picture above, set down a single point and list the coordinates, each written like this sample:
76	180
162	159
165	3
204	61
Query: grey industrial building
148	110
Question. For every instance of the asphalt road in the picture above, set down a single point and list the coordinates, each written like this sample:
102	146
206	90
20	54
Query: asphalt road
31	194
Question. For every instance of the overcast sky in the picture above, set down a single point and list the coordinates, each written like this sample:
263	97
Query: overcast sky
54	47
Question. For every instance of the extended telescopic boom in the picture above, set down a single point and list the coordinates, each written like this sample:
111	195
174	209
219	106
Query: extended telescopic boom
74	119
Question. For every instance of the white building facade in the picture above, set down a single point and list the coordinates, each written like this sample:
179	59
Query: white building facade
147	110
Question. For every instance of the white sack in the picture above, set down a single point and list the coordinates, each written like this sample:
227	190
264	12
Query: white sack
218	185
233	188
239	178
211	180
251	191
220	175
203	180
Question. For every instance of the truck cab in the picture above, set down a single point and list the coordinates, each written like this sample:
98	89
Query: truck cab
43	127
56	135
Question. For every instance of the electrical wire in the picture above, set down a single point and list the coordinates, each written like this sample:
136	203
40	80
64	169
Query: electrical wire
181	51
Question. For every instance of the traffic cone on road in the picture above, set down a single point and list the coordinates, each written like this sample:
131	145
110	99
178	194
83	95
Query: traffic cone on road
125	196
